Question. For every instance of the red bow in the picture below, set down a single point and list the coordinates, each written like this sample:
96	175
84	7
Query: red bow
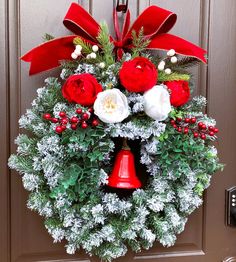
156	22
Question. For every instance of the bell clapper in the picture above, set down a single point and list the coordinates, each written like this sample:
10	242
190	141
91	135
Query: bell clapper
125	145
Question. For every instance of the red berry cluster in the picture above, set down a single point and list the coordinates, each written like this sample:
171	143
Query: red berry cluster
199	130
82	119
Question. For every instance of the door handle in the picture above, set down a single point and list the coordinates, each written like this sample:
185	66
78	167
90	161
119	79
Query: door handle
231	206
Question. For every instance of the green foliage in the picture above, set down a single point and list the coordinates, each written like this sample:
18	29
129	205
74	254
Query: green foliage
52	96
183	64
162	77
81	173
78	182
106	44
197	104
21	164
69	65
140	42
47	37
176	113
52	222
182	154
86	47
26	145
71	175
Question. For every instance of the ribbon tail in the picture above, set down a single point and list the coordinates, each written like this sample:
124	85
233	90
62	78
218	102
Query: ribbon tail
126	23
47	55
181	46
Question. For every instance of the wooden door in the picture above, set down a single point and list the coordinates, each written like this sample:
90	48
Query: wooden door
209	23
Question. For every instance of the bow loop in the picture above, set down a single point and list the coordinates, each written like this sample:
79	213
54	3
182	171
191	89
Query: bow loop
81	23
155	21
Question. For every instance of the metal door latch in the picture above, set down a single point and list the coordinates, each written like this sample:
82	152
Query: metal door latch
231	206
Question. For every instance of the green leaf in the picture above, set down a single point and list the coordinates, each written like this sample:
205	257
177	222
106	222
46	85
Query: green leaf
71	175
47	37
177	150
59	190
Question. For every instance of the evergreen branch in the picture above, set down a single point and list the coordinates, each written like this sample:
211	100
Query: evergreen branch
106	44
139	42
187	62
86	47
21	164
184	63
47	37
162	77
66	64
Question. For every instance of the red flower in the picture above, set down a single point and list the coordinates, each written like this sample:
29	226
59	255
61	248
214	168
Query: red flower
180	92
138	75
81	89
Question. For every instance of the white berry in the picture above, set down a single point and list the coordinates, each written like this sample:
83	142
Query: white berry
168	71
77	52
74	55
95	48
161	65
78	48
93	55
171	52
102	65
88	56
173	59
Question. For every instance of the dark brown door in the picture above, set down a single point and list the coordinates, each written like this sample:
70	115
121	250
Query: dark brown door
209	23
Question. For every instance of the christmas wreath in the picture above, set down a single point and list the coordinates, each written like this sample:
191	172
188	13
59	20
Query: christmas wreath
119	152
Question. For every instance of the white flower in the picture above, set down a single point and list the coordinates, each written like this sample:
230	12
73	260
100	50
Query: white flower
157	103
111	106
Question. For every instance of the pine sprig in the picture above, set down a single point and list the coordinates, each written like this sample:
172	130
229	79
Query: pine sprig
66	64
106	44
86	47
162	77
47	37
187	62
184	64
139	42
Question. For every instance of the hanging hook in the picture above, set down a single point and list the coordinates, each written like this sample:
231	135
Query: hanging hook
122	7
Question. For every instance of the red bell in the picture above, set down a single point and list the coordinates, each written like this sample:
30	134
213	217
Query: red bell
124	174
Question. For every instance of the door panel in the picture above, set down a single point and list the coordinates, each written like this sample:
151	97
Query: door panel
4	137
205	239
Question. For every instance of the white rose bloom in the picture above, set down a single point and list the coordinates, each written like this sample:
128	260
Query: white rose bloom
111	106
157	103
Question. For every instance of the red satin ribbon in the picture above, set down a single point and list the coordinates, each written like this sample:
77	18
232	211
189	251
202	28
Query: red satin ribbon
156	23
